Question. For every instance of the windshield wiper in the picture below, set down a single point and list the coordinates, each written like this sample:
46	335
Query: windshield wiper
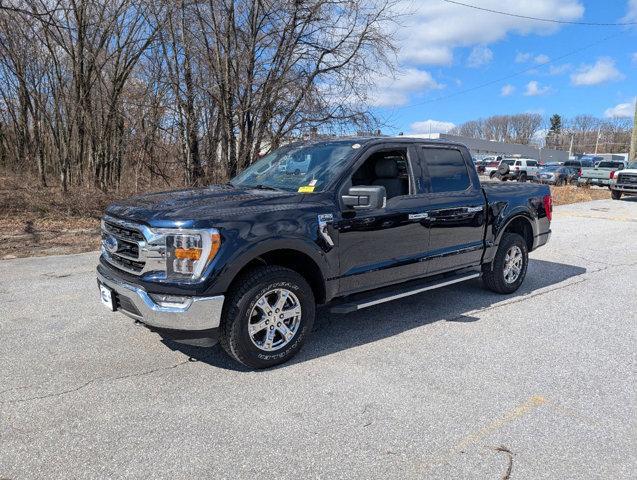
266	187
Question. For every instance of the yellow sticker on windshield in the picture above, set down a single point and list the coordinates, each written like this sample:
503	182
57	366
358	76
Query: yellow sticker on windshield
306	189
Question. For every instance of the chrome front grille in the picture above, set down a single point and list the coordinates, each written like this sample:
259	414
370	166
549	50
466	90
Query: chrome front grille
627	178
131	247
123	232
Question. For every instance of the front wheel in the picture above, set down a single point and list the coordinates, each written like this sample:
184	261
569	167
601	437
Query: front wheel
508	269
266	320
616	194
522	178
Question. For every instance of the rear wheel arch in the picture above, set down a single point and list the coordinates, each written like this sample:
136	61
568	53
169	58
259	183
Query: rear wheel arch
523	226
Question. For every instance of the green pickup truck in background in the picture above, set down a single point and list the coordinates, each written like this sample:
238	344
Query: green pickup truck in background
602	174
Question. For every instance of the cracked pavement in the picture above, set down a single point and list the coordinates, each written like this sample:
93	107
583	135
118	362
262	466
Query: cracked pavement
454	383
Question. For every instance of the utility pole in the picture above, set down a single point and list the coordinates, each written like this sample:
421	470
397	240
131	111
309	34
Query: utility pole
570	149
633	141
599	129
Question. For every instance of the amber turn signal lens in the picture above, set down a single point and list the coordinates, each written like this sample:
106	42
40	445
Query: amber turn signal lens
188	253
215	244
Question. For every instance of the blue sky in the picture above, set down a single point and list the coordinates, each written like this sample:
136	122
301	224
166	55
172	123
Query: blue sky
446	49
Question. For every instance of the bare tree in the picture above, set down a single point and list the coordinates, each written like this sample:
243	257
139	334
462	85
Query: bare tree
194	89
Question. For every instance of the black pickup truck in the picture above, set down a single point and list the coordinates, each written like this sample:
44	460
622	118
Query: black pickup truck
345	223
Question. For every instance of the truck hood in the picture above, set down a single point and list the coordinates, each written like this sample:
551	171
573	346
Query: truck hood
201	207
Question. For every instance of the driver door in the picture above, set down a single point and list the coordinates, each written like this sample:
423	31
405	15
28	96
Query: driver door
381	246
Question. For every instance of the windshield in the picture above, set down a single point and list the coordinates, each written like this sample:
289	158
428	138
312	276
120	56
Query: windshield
632	165
610	165
550	168
302	168
508	162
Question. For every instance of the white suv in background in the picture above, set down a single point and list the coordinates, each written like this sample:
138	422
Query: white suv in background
521	169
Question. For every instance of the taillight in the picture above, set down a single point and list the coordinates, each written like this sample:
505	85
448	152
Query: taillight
612	174
579	172
548	207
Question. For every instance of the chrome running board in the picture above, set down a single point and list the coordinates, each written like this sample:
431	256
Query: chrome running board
359	301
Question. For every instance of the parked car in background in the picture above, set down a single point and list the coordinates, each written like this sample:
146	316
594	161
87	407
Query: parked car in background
520	169
578	165
625	182
556	175
492	164
602	174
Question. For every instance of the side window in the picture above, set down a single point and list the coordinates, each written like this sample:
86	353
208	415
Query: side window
387	168
518	163
447	170
532	163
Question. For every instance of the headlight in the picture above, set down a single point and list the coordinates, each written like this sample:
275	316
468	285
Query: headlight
188	252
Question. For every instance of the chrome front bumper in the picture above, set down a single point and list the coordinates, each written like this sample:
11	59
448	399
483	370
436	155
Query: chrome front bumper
196	313
625	188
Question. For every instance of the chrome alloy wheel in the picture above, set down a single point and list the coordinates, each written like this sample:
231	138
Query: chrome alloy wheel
274	320
513	262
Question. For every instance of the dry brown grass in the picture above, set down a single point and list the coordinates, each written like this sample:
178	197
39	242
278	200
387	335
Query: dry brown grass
37	221
572	194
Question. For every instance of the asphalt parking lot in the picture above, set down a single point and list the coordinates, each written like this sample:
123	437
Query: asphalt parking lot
456	383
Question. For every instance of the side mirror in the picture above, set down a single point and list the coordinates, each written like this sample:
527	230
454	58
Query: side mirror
365	198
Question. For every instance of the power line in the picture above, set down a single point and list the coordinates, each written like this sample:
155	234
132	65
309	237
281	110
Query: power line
512	75
539	19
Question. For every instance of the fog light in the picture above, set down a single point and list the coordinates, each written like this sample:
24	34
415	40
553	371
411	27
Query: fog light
169	300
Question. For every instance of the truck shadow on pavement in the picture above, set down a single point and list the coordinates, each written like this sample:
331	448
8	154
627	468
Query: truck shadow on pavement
333	333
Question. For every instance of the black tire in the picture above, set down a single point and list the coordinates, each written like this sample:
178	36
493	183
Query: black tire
522	177
493	274
616	194
492	174
234	335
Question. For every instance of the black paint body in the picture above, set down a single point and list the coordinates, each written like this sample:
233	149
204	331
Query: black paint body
372	248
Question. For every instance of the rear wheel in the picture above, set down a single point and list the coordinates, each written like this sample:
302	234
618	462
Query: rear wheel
523	177
266	320
508	269
616	194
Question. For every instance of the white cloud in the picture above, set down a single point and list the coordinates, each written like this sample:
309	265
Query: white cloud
430	31
631	15
622	110
507	90
602	71
534	89
431	126
480	56
391	92
524	57
559	69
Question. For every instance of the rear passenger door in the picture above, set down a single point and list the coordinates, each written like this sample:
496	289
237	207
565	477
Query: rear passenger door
455	208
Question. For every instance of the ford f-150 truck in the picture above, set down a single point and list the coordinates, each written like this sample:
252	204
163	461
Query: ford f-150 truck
346	223
625	182
602	174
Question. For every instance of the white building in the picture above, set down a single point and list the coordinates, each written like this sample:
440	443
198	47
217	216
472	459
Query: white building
485	147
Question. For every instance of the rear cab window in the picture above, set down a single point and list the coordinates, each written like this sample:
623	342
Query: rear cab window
446	168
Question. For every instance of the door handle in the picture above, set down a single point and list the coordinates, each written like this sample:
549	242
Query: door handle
418	216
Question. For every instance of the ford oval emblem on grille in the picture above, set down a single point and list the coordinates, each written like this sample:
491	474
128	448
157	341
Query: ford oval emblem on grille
110	244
